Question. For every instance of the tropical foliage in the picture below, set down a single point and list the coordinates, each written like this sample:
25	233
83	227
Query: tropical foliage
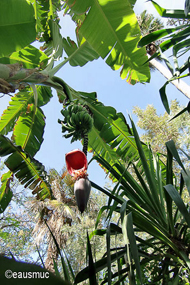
175	38
24	117
153	220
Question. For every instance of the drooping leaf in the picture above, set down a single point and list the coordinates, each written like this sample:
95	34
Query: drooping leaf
18	104
172	148
55	46
17	25
79	56
118	38
29	129
169	13
164	97
30	172
29	57
5	191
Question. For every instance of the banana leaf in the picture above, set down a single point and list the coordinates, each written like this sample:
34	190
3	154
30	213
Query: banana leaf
118	37
30	172
18	105
79	55
17	24
5	191
29	57
29	129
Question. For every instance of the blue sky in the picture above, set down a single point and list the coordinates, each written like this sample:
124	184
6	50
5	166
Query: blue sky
111	90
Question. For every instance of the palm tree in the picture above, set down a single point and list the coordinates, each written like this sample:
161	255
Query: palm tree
149	24
56	213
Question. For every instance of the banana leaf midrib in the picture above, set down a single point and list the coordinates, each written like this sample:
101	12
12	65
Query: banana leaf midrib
113	31
13	115
30	164
24	157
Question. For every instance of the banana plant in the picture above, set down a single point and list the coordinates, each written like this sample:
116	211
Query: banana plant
31	71
153	221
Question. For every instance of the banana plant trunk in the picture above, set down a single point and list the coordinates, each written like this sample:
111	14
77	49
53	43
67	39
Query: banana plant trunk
14	76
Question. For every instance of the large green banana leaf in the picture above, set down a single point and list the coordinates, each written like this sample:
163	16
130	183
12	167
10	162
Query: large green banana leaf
27	122
113	35
18	104
78	56
17	25
29	129
30	172
29	57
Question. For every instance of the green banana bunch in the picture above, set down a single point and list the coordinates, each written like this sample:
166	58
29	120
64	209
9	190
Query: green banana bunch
77	121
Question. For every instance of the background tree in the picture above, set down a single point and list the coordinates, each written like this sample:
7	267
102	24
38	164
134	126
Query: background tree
161	128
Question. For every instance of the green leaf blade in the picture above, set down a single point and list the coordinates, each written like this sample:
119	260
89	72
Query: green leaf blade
79	56
178	201
17	24
119	37
11	114
5	191
29	129
29	57
30	172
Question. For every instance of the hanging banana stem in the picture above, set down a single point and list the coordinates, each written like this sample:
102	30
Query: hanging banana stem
85	143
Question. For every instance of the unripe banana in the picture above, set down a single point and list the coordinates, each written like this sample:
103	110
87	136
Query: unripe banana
73	119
